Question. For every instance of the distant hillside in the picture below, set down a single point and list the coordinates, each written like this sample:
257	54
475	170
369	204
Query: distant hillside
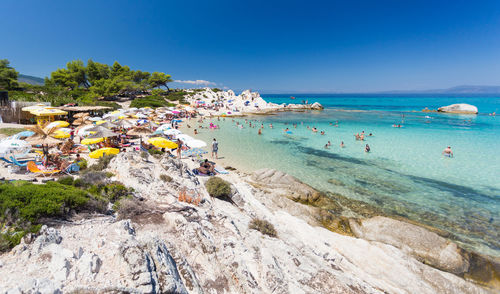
30	80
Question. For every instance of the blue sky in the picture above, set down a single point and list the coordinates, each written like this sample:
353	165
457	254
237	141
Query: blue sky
283	46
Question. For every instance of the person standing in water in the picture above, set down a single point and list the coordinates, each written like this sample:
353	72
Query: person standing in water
447	152
260	131
342	144
367	148
215	149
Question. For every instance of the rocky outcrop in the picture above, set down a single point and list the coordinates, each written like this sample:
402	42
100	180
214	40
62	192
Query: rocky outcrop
317	106
420	243
211	248
461	108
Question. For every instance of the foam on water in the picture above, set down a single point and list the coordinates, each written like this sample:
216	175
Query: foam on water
404	174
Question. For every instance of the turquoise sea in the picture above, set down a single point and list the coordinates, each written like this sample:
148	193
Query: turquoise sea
404	174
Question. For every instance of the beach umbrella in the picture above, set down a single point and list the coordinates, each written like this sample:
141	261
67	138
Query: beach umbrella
57	124
142	121
23	134
107	124
195	143
185	137
43	140
33	107
14	145
95	118
175	112
105	133
103	151
189	108
164	127
91	141
172	132
140	115
139	131
60	134
194	152
81	114
84	130
124	123
162	143
177	120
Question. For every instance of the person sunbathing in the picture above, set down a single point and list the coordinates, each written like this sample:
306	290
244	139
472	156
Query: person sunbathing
206	168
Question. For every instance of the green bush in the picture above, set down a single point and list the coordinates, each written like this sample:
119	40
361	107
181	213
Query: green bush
218	188
102	163
24	205
166	178
149	101
82	164
90	177
263	226
68	180
109	174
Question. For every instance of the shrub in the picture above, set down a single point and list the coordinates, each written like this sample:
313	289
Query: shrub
23	205
90	177
10	131
130	208
82	164
165	178
149	101
263	226
144	155
109	174
68	180
217	187
115	191
102	163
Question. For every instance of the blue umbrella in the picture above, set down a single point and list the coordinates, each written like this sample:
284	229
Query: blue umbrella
23	134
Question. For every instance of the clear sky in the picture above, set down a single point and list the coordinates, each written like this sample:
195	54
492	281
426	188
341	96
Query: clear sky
287	46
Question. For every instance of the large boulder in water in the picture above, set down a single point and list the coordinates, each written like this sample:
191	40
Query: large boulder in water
459	108
317	106
424	245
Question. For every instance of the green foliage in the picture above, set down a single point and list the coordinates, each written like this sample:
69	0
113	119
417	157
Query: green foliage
149	101
158	79
10	131
82	164
112	192
177	96
158	92
68	180
263	226
218	188
109	174
30	202
216	90
102	163
8	75
166	178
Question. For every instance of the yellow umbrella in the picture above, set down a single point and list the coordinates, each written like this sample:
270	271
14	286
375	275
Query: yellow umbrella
162	143
100	152
91	141
47	111
100	122
60	134
57	124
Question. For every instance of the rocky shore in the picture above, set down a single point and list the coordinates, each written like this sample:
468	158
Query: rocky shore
169	246
247	102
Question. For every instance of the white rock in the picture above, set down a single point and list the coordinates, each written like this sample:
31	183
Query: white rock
459	108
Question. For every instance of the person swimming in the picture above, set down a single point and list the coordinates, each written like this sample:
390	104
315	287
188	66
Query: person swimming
259	132
314	130
447	152
322	132
327	146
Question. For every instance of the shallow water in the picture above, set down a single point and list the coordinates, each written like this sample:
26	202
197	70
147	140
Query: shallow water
404	174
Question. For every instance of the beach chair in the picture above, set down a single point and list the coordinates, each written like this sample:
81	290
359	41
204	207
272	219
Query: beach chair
32	167
18	163
72	168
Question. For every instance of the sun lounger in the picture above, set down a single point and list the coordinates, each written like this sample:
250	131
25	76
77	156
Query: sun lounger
32	167
221	170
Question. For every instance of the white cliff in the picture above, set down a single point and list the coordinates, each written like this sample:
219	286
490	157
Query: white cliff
169	246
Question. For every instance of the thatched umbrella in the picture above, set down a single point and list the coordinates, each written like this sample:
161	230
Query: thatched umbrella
43	140
43	137
124	123
101	132
139	131
81	114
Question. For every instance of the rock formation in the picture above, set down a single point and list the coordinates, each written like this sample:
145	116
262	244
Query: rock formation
176	247
459	108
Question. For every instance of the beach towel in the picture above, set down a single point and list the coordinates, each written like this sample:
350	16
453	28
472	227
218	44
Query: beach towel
221	170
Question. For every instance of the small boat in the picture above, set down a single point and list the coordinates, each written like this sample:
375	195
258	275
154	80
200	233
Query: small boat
291	97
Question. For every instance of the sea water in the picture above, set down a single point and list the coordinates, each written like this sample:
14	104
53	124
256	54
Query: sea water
405	172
